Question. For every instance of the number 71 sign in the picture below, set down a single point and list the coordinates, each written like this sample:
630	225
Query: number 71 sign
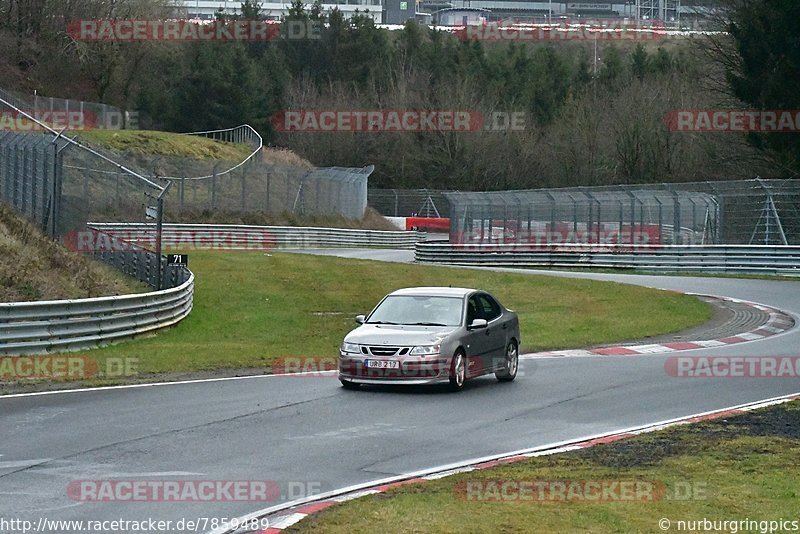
178	259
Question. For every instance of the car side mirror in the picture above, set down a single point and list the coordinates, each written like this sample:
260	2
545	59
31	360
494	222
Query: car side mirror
360	319
478	323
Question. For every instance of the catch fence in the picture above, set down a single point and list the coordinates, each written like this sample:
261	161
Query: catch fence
750	212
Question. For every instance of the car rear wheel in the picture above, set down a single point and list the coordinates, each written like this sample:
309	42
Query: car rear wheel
509	373
346	384
458	371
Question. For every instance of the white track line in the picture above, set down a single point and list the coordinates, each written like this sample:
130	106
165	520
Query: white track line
154	384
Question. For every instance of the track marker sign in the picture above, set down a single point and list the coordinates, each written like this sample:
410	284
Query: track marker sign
178	259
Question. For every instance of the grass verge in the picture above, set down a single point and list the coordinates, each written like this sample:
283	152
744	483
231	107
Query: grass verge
740	468
33	267
253	307
165	144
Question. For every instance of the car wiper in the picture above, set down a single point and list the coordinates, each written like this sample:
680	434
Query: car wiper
380	322
428	324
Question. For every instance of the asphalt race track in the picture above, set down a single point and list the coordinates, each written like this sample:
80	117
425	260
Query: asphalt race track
310	430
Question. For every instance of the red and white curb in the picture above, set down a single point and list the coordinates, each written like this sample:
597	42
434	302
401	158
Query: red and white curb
285	515
778	323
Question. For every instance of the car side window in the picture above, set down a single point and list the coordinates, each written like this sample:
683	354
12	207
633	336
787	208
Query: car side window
473	310
489	308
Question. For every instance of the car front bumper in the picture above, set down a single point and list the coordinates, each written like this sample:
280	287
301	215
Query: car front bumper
411	370
394	381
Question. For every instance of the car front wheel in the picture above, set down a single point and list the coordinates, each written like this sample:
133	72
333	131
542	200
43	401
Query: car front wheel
458	371
509	373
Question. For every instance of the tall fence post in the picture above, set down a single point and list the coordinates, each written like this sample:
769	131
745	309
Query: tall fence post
26	179
55	199
159	227
266	203
117	185
214	188
182	192
244	188
34	182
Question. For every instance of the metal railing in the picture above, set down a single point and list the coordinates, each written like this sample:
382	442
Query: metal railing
243	134
76	114
65	325
243	237
733	259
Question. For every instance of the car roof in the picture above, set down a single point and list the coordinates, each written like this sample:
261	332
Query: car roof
435	291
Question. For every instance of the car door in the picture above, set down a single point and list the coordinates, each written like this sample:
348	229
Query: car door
477	342
495	331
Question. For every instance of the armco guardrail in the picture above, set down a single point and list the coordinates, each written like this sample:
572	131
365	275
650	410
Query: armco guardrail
64	325
735	259
244	237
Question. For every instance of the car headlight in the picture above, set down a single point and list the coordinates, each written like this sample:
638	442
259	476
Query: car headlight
425	350
351	348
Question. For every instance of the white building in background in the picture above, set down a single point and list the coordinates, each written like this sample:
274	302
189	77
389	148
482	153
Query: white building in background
542	10
205	9
397	11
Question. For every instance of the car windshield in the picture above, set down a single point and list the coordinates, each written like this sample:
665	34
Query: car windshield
418	310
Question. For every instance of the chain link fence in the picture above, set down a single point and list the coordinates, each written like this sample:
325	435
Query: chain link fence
258	183
58	183
62	189
61	113
765	212
29	164
409	202
271	188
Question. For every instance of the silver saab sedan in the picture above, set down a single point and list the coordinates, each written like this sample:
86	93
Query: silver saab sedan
427	335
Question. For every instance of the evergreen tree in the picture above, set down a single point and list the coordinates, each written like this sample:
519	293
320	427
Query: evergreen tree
765	70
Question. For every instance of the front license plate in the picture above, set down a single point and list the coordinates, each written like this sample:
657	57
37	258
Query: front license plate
383	364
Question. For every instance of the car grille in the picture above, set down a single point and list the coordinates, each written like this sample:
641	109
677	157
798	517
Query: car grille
383	351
